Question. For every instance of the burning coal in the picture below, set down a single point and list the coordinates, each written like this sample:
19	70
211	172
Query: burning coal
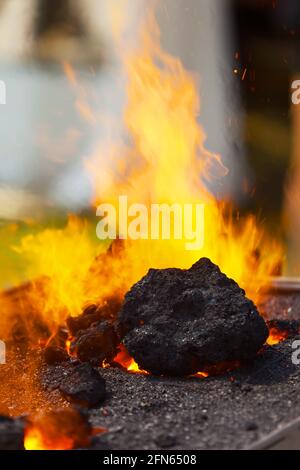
178	322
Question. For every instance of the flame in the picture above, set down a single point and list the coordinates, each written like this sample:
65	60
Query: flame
276	336
166	162
61	429
35	440
60	259
201	375
127	362
70	73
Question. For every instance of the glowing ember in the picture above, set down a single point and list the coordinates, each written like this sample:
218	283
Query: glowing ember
63	429
68	345
276	336
162	159
127	362
35	440
201	375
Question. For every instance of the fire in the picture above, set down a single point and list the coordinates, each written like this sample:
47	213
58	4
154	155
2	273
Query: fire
39	438
60	259
161	160
201	375
35	440
62	429
125	360
166	162
276	336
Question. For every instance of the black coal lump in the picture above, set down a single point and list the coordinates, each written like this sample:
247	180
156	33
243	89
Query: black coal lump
178	322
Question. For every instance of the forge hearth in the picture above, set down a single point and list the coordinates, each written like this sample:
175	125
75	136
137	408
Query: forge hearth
232	411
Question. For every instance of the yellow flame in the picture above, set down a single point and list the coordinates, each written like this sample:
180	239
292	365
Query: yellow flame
62	259
276	336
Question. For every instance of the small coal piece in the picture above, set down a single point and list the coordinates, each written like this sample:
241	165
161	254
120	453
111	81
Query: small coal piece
11	433
93	314
83	385
83	321
178	322
55	355
95	344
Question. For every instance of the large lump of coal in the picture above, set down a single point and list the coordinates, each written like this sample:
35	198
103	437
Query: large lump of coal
179	322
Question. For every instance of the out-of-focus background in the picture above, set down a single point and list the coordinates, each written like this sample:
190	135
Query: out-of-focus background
244	53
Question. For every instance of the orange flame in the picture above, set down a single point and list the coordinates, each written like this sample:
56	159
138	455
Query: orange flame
201	375
63	257
62	429
167	162
35	440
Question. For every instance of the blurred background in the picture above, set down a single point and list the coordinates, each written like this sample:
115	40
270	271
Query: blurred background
243	52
